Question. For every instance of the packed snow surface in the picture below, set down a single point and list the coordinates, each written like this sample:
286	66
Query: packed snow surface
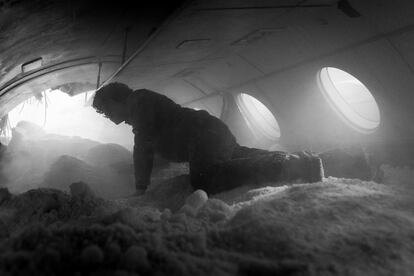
334	227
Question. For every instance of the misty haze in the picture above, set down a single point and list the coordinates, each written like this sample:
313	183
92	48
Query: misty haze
206	137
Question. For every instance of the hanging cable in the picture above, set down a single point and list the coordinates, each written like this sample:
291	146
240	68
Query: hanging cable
46	106
5	128
21	109
140	49
143	46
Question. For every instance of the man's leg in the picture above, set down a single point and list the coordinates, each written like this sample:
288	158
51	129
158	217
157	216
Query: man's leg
233	173
244	152
301	165
212	144
218	163
349	162
260	168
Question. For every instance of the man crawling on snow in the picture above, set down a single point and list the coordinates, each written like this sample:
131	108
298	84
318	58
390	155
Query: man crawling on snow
217	162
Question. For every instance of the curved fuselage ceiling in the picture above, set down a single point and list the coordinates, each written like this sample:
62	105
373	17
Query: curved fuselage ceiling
44	44
205	53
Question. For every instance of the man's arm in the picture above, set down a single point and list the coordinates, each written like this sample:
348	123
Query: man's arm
143	160
142	113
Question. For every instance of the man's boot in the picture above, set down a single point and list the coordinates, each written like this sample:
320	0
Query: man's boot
303	166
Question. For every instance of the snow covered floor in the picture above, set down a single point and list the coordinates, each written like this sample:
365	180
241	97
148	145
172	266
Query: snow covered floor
335	227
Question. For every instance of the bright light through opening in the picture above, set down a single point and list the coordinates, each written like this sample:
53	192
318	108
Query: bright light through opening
258	117
350	98
62	114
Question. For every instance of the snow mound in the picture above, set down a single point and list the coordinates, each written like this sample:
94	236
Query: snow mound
104	183
81	222
107	155
335	227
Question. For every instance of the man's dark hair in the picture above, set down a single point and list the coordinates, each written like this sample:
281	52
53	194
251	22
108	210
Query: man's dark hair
115	91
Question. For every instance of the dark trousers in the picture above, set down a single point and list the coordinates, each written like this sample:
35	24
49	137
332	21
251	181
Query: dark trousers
246	165
218	162
255	166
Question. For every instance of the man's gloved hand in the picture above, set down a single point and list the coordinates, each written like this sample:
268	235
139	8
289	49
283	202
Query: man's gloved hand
141	188
139	192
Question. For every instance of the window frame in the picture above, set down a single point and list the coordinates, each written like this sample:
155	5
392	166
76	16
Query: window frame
258	131
348	115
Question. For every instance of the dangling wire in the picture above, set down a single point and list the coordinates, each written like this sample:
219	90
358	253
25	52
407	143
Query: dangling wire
9	128
21	109
39	98
5	128
3	124
46	106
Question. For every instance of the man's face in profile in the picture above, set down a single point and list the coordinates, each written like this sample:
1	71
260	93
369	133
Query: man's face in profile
114	111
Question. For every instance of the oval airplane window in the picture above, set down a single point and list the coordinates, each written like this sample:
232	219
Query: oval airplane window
350	98
258	117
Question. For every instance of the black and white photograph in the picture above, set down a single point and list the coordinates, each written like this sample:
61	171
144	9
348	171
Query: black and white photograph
207	137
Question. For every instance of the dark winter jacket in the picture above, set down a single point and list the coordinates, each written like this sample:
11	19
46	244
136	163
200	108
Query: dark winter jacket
164	127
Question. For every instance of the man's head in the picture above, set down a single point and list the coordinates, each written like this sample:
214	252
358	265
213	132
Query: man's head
111	101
